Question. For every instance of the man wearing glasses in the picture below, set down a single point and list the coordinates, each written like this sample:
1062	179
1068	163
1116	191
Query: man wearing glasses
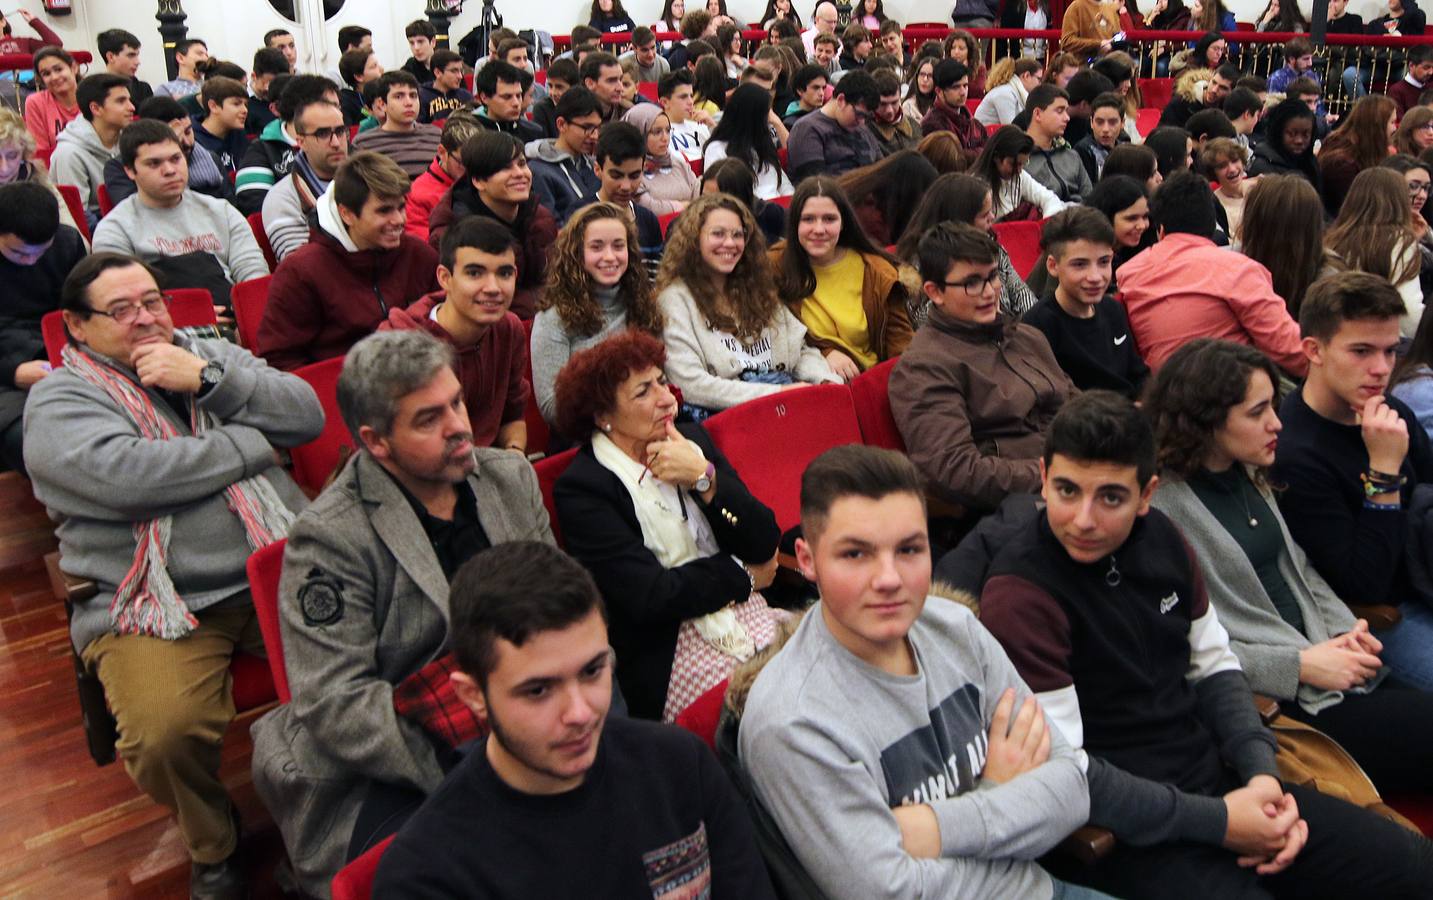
270	157
564	175
834	139
976	389
322	147
155	453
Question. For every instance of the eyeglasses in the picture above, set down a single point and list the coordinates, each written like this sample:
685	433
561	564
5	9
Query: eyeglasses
975	286
1418	187
126	313
588	130
327	134
720	235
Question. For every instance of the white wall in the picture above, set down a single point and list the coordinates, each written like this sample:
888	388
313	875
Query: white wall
234	29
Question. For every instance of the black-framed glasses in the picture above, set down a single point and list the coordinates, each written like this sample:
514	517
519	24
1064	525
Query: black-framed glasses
588	130
126	313
327	134
975	286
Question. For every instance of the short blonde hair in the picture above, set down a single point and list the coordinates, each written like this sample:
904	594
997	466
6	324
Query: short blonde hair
1222	150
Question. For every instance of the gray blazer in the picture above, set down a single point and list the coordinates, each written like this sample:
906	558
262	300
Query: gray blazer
363	604
1267	646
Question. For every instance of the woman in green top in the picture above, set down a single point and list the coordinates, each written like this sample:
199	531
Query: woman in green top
1214	405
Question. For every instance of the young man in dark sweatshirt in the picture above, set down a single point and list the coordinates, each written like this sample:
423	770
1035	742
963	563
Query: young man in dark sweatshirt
1087	329
1101	606
574	801
221	129
1350	457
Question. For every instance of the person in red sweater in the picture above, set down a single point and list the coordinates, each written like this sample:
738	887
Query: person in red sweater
1417	78
11	44
360	265
443	171
478	274
949	113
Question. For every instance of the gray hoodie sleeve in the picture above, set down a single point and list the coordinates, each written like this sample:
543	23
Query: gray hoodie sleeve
549	352
281	405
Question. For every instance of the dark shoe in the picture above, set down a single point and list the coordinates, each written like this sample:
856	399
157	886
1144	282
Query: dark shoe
218	881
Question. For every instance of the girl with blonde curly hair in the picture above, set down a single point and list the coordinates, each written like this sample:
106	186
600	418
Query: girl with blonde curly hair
596	287
18	162
729	337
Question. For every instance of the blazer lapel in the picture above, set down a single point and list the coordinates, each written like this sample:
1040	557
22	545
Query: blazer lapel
401	532
496	525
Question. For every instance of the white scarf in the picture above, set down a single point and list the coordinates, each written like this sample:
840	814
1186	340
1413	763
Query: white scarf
674	539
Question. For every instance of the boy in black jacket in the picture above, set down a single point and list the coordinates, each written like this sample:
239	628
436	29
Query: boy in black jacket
561	799
1101	606
1087	329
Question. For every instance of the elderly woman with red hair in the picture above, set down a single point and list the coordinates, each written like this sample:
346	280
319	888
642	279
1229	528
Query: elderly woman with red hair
676	543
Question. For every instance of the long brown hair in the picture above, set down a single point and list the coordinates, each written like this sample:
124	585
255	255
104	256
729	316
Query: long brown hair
1283	229
750	290
1375	227
795	279
570	287
1363	136
1413	120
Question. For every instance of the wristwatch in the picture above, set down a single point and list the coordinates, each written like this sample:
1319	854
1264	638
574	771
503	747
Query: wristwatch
704	483
209	376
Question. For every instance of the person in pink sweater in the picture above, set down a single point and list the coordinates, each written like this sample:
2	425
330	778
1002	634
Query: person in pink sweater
48	111
1186	287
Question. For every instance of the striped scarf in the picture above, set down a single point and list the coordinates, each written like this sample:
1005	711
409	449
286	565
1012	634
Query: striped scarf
146	601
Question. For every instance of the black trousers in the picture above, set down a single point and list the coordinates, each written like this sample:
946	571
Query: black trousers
1388	732
1351	853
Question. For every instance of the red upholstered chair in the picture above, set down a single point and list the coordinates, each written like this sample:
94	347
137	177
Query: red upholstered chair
873	407
188	307
249	299
648	89
548	471
316	460
704	715
106	204
71	195
538	434
665	220
256	225
696	165
1022	241
1154	93
783	201
355	880
1147	120
264	568
770	441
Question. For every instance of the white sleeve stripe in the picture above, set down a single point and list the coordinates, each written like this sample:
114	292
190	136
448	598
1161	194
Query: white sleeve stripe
1209	651
1062	709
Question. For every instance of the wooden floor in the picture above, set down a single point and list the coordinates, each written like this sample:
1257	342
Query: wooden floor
68	828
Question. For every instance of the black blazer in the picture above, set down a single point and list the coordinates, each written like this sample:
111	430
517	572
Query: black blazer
646	603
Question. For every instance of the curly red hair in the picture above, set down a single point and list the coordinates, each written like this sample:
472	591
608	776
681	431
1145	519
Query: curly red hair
587	386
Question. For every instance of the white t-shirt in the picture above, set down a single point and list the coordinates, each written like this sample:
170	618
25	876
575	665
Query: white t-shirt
688	138
770	182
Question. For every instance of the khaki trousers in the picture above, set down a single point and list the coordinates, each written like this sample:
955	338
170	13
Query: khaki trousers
173	701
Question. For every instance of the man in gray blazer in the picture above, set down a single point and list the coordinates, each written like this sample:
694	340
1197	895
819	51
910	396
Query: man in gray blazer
364	602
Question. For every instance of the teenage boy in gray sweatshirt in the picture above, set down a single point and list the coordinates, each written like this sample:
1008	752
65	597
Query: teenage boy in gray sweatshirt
890	738
87	143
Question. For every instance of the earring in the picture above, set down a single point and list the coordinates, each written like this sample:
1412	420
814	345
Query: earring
607	427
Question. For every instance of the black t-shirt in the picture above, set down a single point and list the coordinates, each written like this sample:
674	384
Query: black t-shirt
656	817
1097	352
457	540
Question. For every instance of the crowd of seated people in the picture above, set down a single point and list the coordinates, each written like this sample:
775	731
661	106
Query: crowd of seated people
1185	371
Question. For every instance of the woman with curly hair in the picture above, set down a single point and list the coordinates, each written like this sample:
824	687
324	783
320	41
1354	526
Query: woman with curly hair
1360	142
842	287
961	46
1214	406
18	162
678	546
596	287
1375	232
729	337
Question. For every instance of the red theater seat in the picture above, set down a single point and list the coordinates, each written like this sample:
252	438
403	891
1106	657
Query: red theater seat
316	460
873	407
264	568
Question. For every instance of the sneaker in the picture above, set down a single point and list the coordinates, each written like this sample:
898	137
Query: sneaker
218	881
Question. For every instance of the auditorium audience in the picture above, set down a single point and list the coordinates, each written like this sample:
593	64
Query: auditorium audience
1125	202
833	139
156	454
1178	763
1288	146
18	162
676	543
564	176
1134	161
1186	287
729	337
1412	379
189	54
886	194
1107	129
976	389
620	157
442	173
88	142
205	176
358	68
289	205
221	129
364	605
1360	142
668	182
359	265
745	133
928	681
402	138
1009	85
1375	233
1226	162
501	90
1017	196
1055	164
735	179
1283	230
690	131
842	286
949	112
271	155
893	129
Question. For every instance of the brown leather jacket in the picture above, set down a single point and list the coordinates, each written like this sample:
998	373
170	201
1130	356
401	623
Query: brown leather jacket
883	299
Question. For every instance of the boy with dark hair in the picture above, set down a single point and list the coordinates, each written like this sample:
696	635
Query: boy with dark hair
401	137
445	93
621	151
221	129
893	42
1186	101
499	185
825	50
266	79
1087	329
443	172
268	159
689	134
1308	92
205	176
1053	162
356	68
833	140
1107	130
1244	110
422	37
893	129
976	389
576	801
949	112
1298	63
561	75
1083	88
696	23
1418	76
952	783
1101	605
1350	457
477	276
358	250
88	142
36	255
651	65
501	89
1186	287
809	84
188	54
120	51
282	40
602	75
563	175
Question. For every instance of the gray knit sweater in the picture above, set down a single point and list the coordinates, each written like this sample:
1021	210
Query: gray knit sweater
553	345
1267	646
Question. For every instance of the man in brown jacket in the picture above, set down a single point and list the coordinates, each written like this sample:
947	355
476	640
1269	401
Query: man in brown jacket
975	390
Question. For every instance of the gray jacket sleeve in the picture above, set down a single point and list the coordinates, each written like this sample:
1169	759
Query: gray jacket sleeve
281	405
114	232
